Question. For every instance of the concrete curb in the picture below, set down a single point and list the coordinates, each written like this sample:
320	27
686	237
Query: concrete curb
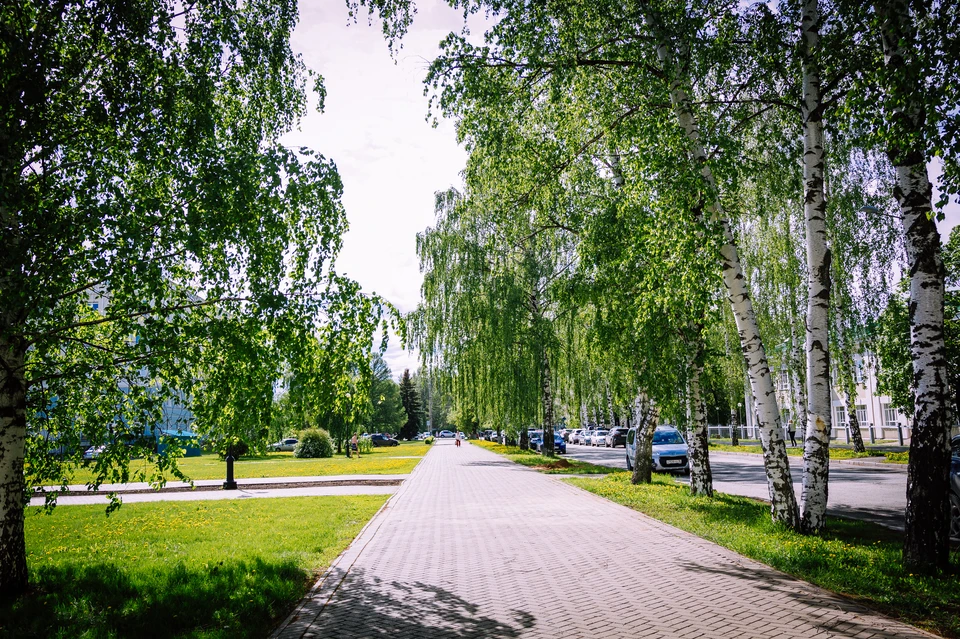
252	483
902	468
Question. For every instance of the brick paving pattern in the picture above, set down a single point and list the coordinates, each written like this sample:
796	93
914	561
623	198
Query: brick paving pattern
474	546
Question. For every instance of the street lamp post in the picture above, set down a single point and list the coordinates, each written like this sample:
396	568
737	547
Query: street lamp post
230	484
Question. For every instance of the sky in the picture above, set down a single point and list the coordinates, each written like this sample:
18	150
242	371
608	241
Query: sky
391	160
374	127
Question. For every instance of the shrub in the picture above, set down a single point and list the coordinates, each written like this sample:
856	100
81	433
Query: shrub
428	440
232	445
364	444
314	442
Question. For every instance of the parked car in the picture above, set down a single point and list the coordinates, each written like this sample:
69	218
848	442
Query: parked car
584	438
955	487
93	452
597	438
445	433
616	437
559	446
534	437
378	440
286	445
669	450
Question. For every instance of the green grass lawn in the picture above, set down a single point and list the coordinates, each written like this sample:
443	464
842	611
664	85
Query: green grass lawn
381	461
835	453
178	569
858	559
559	466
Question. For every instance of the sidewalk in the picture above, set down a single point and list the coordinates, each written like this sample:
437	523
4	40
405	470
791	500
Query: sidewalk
474	546
211	489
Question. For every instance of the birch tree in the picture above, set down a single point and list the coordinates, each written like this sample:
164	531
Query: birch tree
140	163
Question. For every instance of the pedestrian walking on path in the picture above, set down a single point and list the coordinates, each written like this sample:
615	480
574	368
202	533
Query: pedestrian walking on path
406	574
792	431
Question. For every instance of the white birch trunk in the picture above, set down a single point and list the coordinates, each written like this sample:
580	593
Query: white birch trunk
816	439
13	431
926	543
547	397
783	501
645	416
701	477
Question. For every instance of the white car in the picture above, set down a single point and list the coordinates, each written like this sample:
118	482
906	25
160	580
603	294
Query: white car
597	438
285	445
93	452
445	433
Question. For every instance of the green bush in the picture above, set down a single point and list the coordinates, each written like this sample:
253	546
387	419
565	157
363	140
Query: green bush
428	440
364	445
314	442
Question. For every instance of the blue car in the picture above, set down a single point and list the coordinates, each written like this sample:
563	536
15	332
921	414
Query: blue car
559	446
669	450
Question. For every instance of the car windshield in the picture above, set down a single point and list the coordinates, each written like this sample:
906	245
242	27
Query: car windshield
601	432
661	437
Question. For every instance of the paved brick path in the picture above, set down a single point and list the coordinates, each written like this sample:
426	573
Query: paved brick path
473	546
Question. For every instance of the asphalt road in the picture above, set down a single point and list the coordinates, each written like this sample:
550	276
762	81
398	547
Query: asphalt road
873	494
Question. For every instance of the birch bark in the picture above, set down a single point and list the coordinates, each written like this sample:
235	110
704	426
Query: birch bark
816	440
783	502
701	478
546	389
13	432
850	396
646	416
926	544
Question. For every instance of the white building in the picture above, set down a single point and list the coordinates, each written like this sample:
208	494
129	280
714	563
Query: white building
878	419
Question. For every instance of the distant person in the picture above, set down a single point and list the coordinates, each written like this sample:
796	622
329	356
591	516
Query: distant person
456	438
792	431
355	445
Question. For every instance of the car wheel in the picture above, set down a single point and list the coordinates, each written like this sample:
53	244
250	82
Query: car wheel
954	516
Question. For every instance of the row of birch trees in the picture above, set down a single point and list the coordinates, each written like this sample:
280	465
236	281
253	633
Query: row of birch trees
667	197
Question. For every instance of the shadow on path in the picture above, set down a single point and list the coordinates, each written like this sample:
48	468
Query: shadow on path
841	624
366	606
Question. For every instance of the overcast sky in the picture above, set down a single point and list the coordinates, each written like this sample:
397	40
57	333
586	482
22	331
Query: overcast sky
390	159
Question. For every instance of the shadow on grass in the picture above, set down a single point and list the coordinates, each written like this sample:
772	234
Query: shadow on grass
224	599
367	606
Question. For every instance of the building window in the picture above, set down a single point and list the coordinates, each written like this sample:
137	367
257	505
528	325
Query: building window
858	370
889	416
95	306
841	416
782	384
862	414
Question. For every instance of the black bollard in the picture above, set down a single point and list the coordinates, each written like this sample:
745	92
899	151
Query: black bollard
230	484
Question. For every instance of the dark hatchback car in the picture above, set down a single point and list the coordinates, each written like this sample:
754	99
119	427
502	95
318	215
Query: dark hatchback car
617	437
382	440
955	487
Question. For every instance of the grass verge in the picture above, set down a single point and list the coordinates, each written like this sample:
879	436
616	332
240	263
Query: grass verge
835	453
381	461
854	558
178	569
558	466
